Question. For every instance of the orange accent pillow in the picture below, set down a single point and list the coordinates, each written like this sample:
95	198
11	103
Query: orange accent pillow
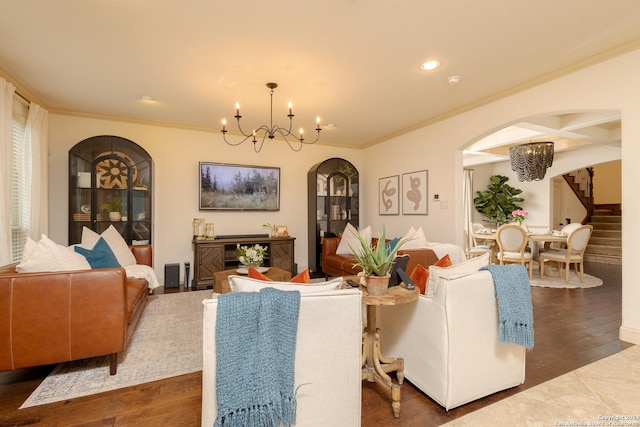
255	274
420	274
302	277
419	277
445	261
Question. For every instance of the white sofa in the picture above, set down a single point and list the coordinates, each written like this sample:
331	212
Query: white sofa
450	342
327	359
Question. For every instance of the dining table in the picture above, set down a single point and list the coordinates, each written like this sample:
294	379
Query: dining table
489	236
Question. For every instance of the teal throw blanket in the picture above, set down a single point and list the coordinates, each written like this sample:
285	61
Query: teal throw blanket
255	351
515	309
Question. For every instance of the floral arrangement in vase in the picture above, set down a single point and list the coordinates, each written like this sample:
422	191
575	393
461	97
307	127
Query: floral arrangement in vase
251	256
519	215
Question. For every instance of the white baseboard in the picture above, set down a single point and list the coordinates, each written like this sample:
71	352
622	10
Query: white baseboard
629	335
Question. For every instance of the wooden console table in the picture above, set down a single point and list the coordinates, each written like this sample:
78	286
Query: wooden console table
211	256
375	366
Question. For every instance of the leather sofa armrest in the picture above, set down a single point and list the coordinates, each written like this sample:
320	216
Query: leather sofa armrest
9	268
329	246
143	254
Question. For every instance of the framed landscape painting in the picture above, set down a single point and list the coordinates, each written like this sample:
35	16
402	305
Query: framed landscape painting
238	187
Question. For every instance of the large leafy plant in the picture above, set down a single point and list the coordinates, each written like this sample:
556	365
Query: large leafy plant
498	201
376	260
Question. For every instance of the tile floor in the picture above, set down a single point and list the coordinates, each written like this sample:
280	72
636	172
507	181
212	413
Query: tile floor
603	393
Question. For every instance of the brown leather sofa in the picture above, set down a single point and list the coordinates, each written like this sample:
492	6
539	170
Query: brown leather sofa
53	317
334	264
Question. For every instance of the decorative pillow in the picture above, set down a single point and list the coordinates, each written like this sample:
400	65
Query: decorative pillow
255	274
46	255
444	262
247	284
115	241
470	266
302	277
349	240
420	275
101	256
392	243
417	240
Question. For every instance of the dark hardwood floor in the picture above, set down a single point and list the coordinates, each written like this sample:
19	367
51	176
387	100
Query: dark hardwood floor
573	327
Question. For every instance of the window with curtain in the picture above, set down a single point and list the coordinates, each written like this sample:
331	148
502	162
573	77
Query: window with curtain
20	191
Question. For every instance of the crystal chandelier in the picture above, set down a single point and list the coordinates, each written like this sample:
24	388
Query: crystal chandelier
258	135
531	160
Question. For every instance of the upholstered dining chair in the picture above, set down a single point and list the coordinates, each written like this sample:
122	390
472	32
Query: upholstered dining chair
475	249
566	230
574	253
512	244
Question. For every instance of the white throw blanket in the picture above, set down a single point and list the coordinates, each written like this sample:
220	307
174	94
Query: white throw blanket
142	271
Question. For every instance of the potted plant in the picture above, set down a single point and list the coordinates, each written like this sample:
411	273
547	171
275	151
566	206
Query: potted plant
114	207
376	261
498	201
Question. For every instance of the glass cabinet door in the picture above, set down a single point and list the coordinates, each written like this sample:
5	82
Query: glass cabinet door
333	202
110	185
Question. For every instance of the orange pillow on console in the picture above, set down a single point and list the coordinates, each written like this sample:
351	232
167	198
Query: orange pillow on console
302	277
420	274
255	274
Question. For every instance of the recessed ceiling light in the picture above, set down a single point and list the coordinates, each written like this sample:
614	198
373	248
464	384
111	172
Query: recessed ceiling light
430	65
145	98
453	80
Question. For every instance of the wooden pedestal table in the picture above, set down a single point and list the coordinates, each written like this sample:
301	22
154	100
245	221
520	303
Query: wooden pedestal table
374	365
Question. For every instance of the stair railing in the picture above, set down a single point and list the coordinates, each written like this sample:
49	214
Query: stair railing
583	189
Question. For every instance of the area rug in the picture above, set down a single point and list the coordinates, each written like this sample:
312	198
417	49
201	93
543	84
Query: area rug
551	279
166	343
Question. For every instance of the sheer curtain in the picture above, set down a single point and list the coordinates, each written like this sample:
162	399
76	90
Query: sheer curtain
467	191
6	99
35	213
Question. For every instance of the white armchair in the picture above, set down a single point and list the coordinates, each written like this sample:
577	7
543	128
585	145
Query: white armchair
327	359
450	343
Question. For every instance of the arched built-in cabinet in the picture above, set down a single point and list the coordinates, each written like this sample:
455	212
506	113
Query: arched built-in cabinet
110	182
333	190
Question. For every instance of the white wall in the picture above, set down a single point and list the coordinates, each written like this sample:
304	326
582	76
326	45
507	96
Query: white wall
612	85
176	153
566	204
605	183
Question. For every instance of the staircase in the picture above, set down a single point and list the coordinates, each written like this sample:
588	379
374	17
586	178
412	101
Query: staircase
580	181
605	245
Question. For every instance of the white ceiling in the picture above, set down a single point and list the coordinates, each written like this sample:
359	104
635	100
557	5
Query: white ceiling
352	62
